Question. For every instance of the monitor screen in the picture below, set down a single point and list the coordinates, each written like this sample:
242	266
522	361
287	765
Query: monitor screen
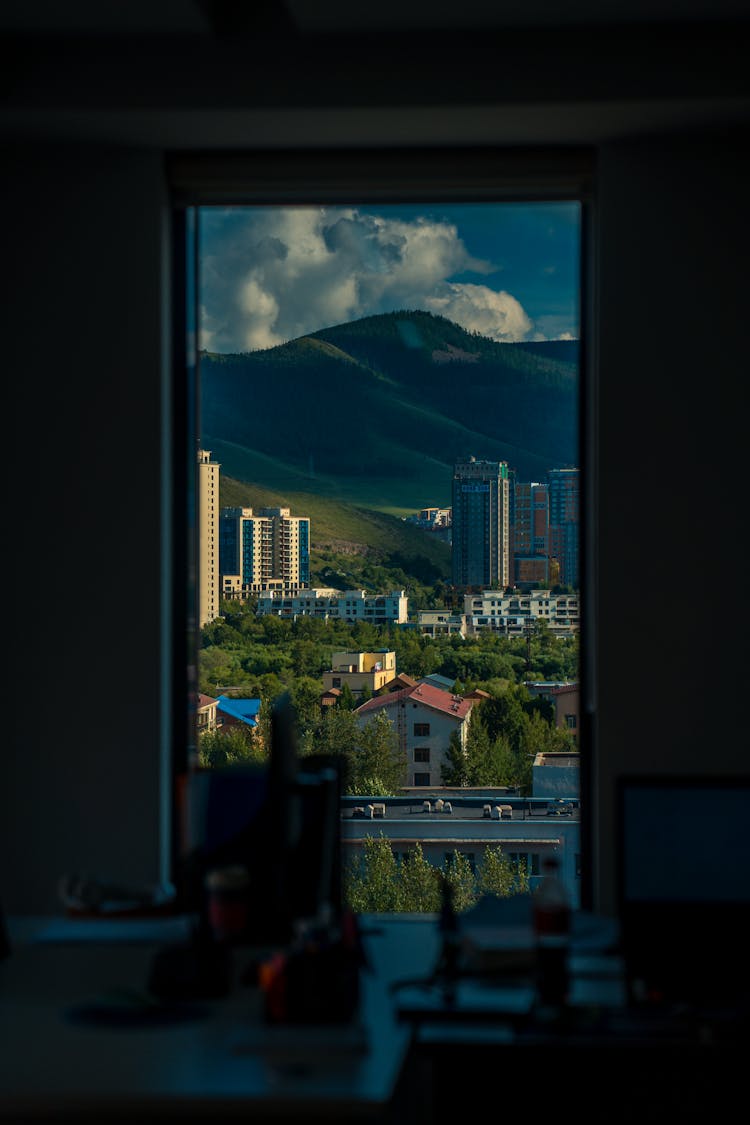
684	887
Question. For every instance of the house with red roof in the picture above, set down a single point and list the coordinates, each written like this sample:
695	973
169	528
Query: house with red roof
424	718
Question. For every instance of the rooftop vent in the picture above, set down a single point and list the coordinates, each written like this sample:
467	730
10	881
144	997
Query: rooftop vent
426	806
439	804
495	812
358	810
369	810
447	807
379	809
486	810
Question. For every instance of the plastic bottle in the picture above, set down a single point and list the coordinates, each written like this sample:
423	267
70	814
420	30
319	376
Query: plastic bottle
552	922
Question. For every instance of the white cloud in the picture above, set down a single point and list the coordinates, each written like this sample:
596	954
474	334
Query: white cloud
481	309
270	275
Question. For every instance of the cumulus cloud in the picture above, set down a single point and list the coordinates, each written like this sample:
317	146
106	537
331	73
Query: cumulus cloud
270	275
481	309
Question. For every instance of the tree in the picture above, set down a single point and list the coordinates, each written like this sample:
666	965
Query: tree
419	890
499	876
455	769
371	880
227	747
461	881
376	758
346	700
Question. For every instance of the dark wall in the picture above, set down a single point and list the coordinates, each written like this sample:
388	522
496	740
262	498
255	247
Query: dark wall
83	366
673	253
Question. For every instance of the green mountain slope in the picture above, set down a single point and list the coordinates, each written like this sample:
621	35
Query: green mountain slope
375	412
349	542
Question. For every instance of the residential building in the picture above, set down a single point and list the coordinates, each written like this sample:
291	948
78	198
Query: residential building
530	535
512	612
441	622
237	712
205	712
566	697
360	670
207	563
481	524
263	547
424	718
564	523
337	605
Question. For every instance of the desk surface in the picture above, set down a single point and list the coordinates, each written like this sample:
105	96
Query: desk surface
213	1067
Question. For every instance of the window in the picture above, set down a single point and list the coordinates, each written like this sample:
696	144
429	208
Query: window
267	213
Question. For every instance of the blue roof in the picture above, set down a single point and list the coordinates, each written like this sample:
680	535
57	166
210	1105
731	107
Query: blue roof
246	710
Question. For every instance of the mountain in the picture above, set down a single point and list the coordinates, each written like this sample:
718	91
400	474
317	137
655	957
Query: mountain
375	412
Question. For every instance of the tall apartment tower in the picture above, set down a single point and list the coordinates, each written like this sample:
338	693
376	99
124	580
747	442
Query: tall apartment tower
256	548
481	523
564	523
531	565
207	562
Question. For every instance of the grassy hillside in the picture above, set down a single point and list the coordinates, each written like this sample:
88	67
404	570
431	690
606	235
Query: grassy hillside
352	545
374	413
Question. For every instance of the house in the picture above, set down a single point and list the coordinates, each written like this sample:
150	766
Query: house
237	712
424	718
360	670
566	699
205	712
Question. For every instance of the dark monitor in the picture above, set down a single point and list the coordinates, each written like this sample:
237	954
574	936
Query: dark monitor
684	887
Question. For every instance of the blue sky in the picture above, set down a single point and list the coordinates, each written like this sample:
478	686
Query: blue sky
268	275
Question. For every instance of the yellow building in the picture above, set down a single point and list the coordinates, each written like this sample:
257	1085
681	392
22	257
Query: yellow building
359	670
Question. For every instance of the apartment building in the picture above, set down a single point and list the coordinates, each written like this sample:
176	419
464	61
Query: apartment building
207	563
337	605
564	523
511	613
263	547
481	523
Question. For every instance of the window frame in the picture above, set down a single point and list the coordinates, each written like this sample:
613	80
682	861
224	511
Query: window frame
321	176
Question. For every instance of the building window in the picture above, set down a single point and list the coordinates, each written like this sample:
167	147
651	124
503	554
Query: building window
421	779
422	754
336	681
421	730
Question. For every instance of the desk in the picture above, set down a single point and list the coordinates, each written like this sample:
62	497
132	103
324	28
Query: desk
207	1070
426	1072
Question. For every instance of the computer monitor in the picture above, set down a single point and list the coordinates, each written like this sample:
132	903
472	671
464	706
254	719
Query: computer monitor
684	887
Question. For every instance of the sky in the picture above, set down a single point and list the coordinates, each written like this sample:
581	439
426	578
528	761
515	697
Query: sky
268	275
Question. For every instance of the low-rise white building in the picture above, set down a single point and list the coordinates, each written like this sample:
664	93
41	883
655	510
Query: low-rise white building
511	613
525	830
338	605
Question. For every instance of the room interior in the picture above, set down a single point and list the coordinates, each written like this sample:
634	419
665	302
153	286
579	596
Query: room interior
96	102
